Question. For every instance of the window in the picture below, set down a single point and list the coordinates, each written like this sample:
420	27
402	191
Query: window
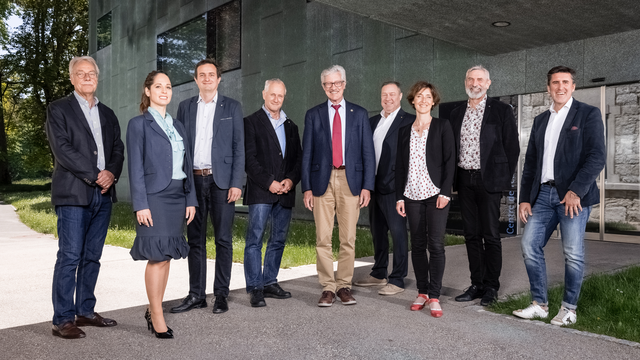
104	31
214	34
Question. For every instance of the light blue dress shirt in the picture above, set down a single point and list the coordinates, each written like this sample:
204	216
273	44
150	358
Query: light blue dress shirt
278	126
92	115
177	144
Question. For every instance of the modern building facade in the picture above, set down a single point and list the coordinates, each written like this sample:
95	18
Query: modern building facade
378	40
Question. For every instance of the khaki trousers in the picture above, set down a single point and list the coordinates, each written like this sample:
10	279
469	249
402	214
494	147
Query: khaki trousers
336	201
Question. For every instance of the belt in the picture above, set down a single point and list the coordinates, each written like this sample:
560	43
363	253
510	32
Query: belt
338	168
471	171
551	183
202	172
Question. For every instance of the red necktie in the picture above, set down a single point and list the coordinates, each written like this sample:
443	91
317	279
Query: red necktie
336	138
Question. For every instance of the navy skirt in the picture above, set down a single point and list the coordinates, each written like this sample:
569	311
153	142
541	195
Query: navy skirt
165	239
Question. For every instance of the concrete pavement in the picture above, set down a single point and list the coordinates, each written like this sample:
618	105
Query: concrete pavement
376	328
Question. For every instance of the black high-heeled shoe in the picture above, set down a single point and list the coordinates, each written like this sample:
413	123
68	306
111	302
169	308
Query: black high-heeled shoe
164	335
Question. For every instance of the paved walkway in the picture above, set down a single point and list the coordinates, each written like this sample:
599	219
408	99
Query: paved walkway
376	328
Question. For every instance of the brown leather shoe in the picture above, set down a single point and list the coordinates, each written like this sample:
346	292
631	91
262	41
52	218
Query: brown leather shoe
327	299
96	320
345	296
68	330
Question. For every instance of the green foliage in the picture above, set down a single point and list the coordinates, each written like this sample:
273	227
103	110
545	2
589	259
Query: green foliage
609	304
35	72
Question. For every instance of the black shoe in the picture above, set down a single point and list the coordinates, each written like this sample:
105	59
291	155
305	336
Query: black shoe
165	335
490	296
275	291
256	298
190	302
220	305
472	292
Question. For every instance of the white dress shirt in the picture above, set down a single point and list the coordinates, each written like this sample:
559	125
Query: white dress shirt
381	132
92	115
551	136
343	121
204	133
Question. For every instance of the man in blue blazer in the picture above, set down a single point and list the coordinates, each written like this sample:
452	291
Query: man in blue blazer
84	136
565	155
338	173
383	217
215	131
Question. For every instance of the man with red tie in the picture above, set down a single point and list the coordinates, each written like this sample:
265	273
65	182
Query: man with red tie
338	173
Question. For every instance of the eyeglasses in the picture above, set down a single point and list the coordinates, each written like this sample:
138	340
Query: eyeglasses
337	84
82	74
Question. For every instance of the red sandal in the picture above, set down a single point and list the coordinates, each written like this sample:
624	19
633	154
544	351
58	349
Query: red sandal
435	313
418	304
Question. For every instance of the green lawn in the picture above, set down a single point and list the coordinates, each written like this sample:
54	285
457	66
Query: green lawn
609	304
35	210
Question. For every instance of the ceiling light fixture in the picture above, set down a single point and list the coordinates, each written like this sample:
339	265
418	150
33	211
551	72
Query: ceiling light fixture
501	24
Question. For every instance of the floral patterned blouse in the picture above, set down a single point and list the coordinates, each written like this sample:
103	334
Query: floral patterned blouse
419	185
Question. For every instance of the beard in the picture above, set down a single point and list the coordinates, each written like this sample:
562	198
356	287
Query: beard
475	93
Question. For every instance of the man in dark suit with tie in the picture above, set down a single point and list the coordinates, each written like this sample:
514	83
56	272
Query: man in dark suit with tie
338	173
487	150
565	155
383	217
84	136
215	130
273	161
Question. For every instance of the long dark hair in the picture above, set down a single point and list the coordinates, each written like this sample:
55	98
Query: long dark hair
145	102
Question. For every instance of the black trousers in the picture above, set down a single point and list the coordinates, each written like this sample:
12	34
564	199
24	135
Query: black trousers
427	225
211	200
480	211
383	218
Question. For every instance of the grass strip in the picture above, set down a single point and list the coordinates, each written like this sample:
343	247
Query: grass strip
35	210
609	304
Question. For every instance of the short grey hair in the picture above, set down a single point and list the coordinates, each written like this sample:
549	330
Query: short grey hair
478	67
331	70
89	59
274	80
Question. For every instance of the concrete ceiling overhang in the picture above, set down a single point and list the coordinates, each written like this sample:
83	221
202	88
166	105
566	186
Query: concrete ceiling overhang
533	23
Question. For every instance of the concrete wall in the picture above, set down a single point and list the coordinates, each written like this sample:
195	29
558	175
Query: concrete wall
295	40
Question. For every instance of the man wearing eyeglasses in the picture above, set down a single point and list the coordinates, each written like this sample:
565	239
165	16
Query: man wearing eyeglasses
338	173
84	136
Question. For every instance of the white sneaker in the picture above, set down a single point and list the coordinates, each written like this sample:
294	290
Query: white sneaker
564	317
532	311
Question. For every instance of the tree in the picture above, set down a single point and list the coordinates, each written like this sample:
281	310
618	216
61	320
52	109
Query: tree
52	32
5	178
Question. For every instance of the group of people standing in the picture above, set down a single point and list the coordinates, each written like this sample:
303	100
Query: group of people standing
404	166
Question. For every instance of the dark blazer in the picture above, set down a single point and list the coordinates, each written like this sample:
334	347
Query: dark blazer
151	160
227	147
499	145
264	163
76	154
386	175
580	155
317	160
440	154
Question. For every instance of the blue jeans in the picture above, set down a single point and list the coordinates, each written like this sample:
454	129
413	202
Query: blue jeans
547	214
81	234
280	218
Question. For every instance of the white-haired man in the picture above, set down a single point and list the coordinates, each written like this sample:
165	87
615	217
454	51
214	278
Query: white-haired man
487	151
84	136
338	173
273	157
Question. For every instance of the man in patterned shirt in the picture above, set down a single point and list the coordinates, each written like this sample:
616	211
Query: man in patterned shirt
487	151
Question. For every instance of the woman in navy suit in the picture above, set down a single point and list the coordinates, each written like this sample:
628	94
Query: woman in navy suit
162	192
425	165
